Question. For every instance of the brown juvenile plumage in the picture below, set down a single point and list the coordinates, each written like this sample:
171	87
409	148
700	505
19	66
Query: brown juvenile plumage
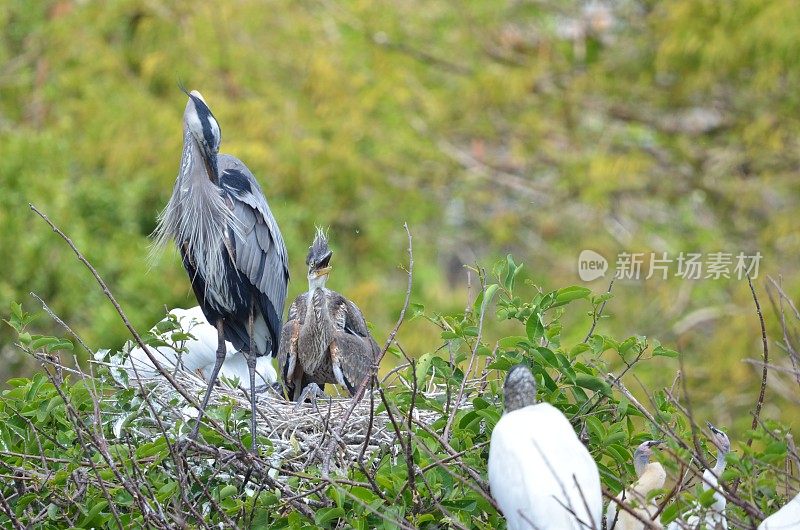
325	338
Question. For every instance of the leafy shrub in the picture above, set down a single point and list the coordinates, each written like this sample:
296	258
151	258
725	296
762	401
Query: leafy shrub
78	451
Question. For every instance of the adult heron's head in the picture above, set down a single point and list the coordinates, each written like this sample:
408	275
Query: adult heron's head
204	131
720	439
642	454
318	260
519	389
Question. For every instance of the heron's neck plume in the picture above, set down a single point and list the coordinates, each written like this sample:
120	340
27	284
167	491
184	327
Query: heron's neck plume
197	218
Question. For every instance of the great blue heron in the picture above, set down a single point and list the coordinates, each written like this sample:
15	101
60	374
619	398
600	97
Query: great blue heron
651	477
712	516
325	338
230	244
540	473
197	353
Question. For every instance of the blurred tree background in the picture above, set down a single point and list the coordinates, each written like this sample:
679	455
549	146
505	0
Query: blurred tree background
539	128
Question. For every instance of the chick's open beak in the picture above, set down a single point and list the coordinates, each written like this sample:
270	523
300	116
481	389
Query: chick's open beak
323	271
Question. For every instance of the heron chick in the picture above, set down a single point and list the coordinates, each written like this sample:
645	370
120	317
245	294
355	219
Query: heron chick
231	246
325	338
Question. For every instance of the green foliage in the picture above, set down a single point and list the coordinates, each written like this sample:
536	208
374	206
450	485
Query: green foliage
538	128
77	451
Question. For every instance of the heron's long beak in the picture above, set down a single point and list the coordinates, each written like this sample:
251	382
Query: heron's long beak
653	443
713	429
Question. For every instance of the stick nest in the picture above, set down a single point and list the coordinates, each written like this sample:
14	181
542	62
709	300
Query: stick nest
298	434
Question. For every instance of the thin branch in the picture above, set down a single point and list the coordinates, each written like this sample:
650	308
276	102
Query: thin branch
359	394
596	315
484	304
168	376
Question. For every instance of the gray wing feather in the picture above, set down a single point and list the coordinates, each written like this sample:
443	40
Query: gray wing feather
297	314
260	249
297	311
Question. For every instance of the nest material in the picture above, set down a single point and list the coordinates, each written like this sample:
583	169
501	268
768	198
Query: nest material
298	434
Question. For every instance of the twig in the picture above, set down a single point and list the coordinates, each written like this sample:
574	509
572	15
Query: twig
359	394
596	316
765	371
106	291
484	304
408	296
412	484
9	512
648	523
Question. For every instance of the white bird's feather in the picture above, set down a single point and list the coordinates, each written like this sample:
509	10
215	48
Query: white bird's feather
785	518
712	516
200	354
541	474
651	479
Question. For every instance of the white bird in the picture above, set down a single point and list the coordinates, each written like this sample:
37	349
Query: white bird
651	477
786	518
712	517
199	355
540	474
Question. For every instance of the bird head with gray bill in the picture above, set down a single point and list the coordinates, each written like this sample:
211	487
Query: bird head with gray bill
641	457
318	261
720	439
204	130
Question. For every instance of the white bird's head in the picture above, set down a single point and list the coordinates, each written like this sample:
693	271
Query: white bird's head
642	454
204	131
720	439
519	389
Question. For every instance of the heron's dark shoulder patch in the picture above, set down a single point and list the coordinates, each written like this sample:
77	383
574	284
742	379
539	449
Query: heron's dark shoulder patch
235	180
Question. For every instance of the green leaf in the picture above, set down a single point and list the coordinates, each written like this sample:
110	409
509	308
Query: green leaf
38	381
593	383
660	351
86	522
512	270
534	328
626	345
43	341
568	294
596	427
485	298
364	494
578	349
706	498
669	514
227	491
512	341
422	367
